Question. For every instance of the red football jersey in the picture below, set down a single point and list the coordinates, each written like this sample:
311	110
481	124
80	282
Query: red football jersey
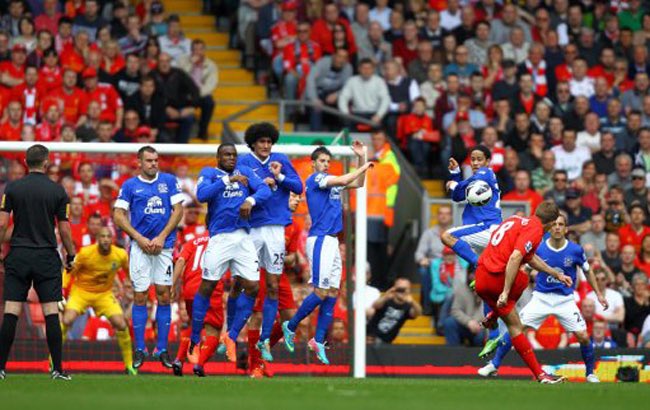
108	98
192	252
70	104
523	234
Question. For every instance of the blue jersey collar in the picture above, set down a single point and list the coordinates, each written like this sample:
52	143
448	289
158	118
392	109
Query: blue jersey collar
260	161
146	181
563	247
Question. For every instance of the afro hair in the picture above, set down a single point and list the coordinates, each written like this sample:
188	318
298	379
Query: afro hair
261	130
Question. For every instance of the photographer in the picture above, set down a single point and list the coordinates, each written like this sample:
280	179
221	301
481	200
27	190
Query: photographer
392	309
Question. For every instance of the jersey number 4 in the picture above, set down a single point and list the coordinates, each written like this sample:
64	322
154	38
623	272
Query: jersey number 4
498	235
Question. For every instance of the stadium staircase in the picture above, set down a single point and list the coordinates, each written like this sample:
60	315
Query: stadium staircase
420	331
236	89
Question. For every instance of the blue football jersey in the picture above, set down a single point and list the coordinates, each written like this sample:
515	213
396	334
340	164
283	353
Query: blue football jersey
490	213
276	210
325	206
566	259
150	204
225	199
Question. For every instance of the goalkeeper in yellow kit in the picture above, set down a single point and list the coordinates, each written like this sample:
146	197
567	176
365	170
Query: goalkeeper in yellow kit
94	272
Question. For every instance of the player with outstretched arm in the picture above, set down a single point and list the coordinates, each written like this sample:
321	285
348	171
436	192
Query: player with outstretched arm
552	297
500	282
231	191
268	220
326	211
148	208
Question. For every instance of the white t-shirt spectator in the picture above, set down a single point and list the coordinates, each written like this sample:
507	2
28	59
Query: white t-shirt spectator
381	16
572	161
590	141
614	299
449	21
582	88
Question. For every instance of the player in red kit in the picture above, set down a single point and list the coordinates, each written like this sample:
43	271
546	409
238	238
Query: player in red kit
500	282
188	268
286	304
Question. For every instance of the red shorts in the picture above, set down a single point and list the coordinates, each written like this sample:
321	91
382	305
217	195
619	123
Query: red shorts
490	285
285	294
214	316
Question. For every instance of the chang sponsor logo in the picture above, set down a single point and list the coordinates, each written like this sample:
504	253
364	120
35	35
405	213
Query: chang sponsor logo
155	206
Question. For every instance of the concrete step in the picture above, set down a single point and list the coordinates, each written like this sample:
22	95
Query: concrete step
240	93
419	340
238	75
182	6
224	56
215	129
416	331
211	39
420	321
224	110
197	21
435	188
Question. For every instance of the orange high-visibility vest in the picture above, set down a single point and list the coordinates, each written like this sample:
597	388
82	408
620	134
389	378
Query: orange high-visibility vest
378	180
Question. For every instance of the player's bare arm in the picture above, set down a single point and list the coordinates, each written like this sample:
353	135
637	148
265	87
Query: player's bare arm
591	279
158	242
245	209
179	267
122	221
539	265
514	262
347	179
360	151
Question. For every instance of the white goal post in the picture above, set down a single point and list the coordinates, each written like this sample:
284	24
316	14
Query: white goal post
360	249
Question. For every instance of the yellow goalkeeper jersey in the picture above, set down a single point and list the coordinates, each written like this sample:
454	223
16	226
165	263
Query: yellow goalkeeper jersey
94	272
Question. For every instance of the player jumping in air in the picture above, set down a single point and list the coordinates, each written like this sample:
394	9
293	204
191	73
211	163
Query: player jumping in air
231	191
479	222
188	269
268	220
153	201
326	211
500	283
94	274
552	297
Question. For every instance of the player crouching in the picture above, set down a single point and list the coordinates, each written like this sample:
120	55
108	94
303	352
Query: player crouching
552	297
326	212
94	273
500	282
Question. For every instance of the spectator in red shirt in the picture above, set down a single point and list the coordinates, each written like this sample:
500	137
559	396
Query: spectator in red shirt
70	99
606	68
299	57
10	130
633	233
86	187
405	49
12	73
191	228
77	224
523	191
74	55
416	132
323	30
64	38
107	194
29	96
112	60
50	128
283	33
109	100
49	19
50	75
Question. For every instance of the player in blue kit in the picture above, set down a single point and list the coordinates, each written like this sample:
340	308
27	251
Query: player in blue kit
472	237
552	297
269	219
153	201
478	221
326	211
231	191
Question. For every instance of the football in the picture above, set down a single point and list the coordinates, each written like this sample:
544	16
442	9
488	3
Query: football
478	193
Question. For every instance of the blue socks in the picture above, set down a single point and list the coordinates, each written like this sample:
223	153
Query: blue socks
502	350
588	356
308	305
465	251
244	308
199	310
325	316
231	308
270	311
163	320
139	315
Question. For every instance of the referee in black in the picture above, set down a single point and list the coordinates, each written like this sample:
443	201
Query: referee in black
36	204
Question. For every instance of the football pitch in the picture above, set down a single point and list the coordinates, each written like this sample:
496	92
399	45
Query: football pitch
150	392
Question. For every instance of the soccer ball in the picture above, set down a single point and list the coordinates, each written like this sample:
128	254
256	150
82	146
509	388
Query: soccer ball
478	193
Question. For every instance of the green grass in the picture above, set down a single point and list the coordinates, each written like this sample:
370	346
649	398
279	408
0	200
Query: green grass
149	392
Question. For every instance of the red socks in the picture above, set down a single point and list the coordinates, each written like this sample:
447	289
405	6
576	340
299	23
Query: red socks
184	345
254	356
207	349
276	333
525	350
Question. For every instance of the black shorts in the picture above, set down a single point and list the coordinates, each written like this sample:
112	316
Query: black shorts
41	267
